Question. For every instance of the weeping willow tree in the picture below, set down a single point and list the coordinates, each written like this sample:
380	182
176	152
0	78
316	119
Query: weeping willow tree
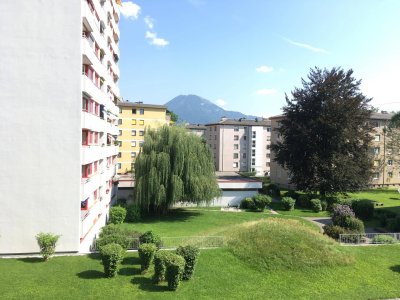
173	166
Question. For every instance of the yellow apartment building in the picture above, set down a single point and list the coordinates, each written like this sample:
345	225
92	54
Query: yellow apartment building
134	119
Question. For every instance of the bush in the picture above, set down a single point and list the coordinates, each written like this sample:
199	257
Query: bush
146	255
247	203
271	190
354	225
117	215
149	237
288	203
334	231
331	200
291	194
363	209
47	243
111	256
261	201
316	205
394	224
384	239
303	201
324	205
121	202
160	265
133	213
190	254
340	213
345	201
112	233
175	266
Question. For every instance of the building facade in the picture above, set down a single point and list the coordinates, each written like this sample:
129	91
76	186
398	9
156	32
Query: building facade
386	171
197	129
60	84
240	145
134	118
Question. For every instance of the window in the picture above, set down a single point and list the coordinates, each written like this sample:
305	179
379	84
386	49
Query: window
235	146
133	132
390	162
235	137
390	174
268	138
141	111
253	152
235	165
268	147
376	150
253	143
236	129
267	164
235	155
215	137
133	154
95	194
119	166
377	138
374	123
253	135
120	110
253	161
375	176
119	121
134	111
141	143
84	137
141	122
87	171
215	146
133	144
376	163
133	121
141	132
268	155
120	132
84	204
119	155
268	129
244	155
245	137
95	166
215	128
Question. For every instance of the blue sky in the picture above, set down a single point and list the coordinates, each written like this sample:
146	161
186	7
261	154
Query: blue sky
245	55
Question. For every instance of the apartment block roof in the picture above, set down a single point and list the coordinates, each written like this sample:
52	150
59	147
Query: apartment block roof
140	104
242	122
196	126
374	116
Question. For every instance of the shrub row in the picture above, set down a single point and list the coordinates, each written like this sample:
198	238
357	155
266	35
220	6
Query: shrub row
288	203
259	202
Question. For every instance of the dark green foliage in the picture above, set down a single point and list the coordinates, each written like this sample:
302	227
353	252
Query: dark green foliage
316	205
291	194
247	203
159	265
345	201
112	233
325	134
121	202
248	174
324	205
384	239
190	254
288	203
111	256
355	225
117	215
364	209
175	266
334	231
394	224
133	213
150	237
304	201
173	166
146	255
174	116
331	200
47	243
261	201
271	190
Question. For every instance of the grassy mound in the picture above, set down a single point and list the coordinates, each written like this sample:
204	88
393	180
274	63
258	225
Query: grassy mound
281	243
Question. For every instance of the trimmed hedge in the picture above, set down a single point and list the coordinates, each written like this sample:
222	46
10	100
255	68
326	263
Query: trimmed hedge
149	237
133	213
190	254
247	203
271	190
111	256
47	243
160	265
175	265
384	239
288	203
146	255
112	233
117	215
304	201
316	205
291	194
261	201
334	231
363	209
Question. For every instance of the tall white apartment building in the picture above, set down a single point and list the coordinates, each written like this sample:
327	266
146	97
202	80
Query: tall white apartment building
240	145
58	90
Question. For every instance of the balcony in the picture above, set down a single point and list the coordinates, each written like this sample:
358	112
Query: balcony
88	19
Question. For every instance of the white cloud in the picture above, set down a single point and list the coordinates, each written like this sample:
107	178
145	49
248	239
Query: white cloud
221	102
266	92
154	40
130	10
264	69
149	22
307	46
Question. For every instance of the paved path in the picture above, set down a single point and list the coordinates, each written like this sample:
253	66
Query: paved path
322	221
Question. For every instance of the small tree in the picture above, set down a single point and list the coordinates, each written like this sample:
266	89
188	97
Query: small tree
261	201
146	255
117	215
175	266
47	243
111	257
190	254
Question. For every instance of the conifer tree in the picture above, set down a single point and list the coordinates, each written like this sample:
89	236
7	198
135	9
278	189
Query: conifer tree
173	166
325	134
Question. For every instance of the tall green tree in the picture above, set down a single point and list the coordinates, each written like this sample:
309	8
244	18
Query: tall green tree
325	134
393	138
174	166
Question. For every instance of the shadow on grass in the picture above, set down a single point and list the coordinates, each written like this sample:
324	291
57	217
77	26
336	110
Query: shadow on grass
395	268
131	261
31	260
394	198
174	215
146	284
95	256
129	271
90	274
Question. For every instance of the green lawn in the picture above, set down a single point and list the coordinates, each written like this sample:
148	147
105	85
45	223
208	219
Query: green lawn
298	212
219	275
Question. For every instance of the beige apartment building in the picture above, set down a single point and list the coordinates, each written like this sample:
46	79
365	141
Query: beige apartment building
240	145
197	129
385	170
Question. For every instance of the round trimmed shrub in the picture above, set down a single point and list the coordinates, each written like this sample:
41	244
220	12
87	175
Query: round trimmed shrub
146	255
291	194
261	201
47	243
363	209
119	239
288	203
355	225
175	265
334	231
331	201
340	213
271	190
190	254
111	256
149	237
133	213
117	215
160	265
384	239
316	205
303	201
247	203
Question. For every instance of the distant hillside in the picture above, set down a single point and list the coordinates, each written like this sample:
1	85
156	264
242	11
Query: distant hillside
196	110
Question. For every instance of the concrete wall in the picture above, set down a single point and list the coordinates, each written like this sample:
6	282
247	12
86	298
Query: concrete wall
40	125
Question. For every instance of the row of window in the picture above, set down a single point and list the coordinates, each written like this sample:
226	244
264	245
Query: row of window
376	175
134	132
134	122
96	195
133	154
91	106
133	143
89	170
90	137
377	162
